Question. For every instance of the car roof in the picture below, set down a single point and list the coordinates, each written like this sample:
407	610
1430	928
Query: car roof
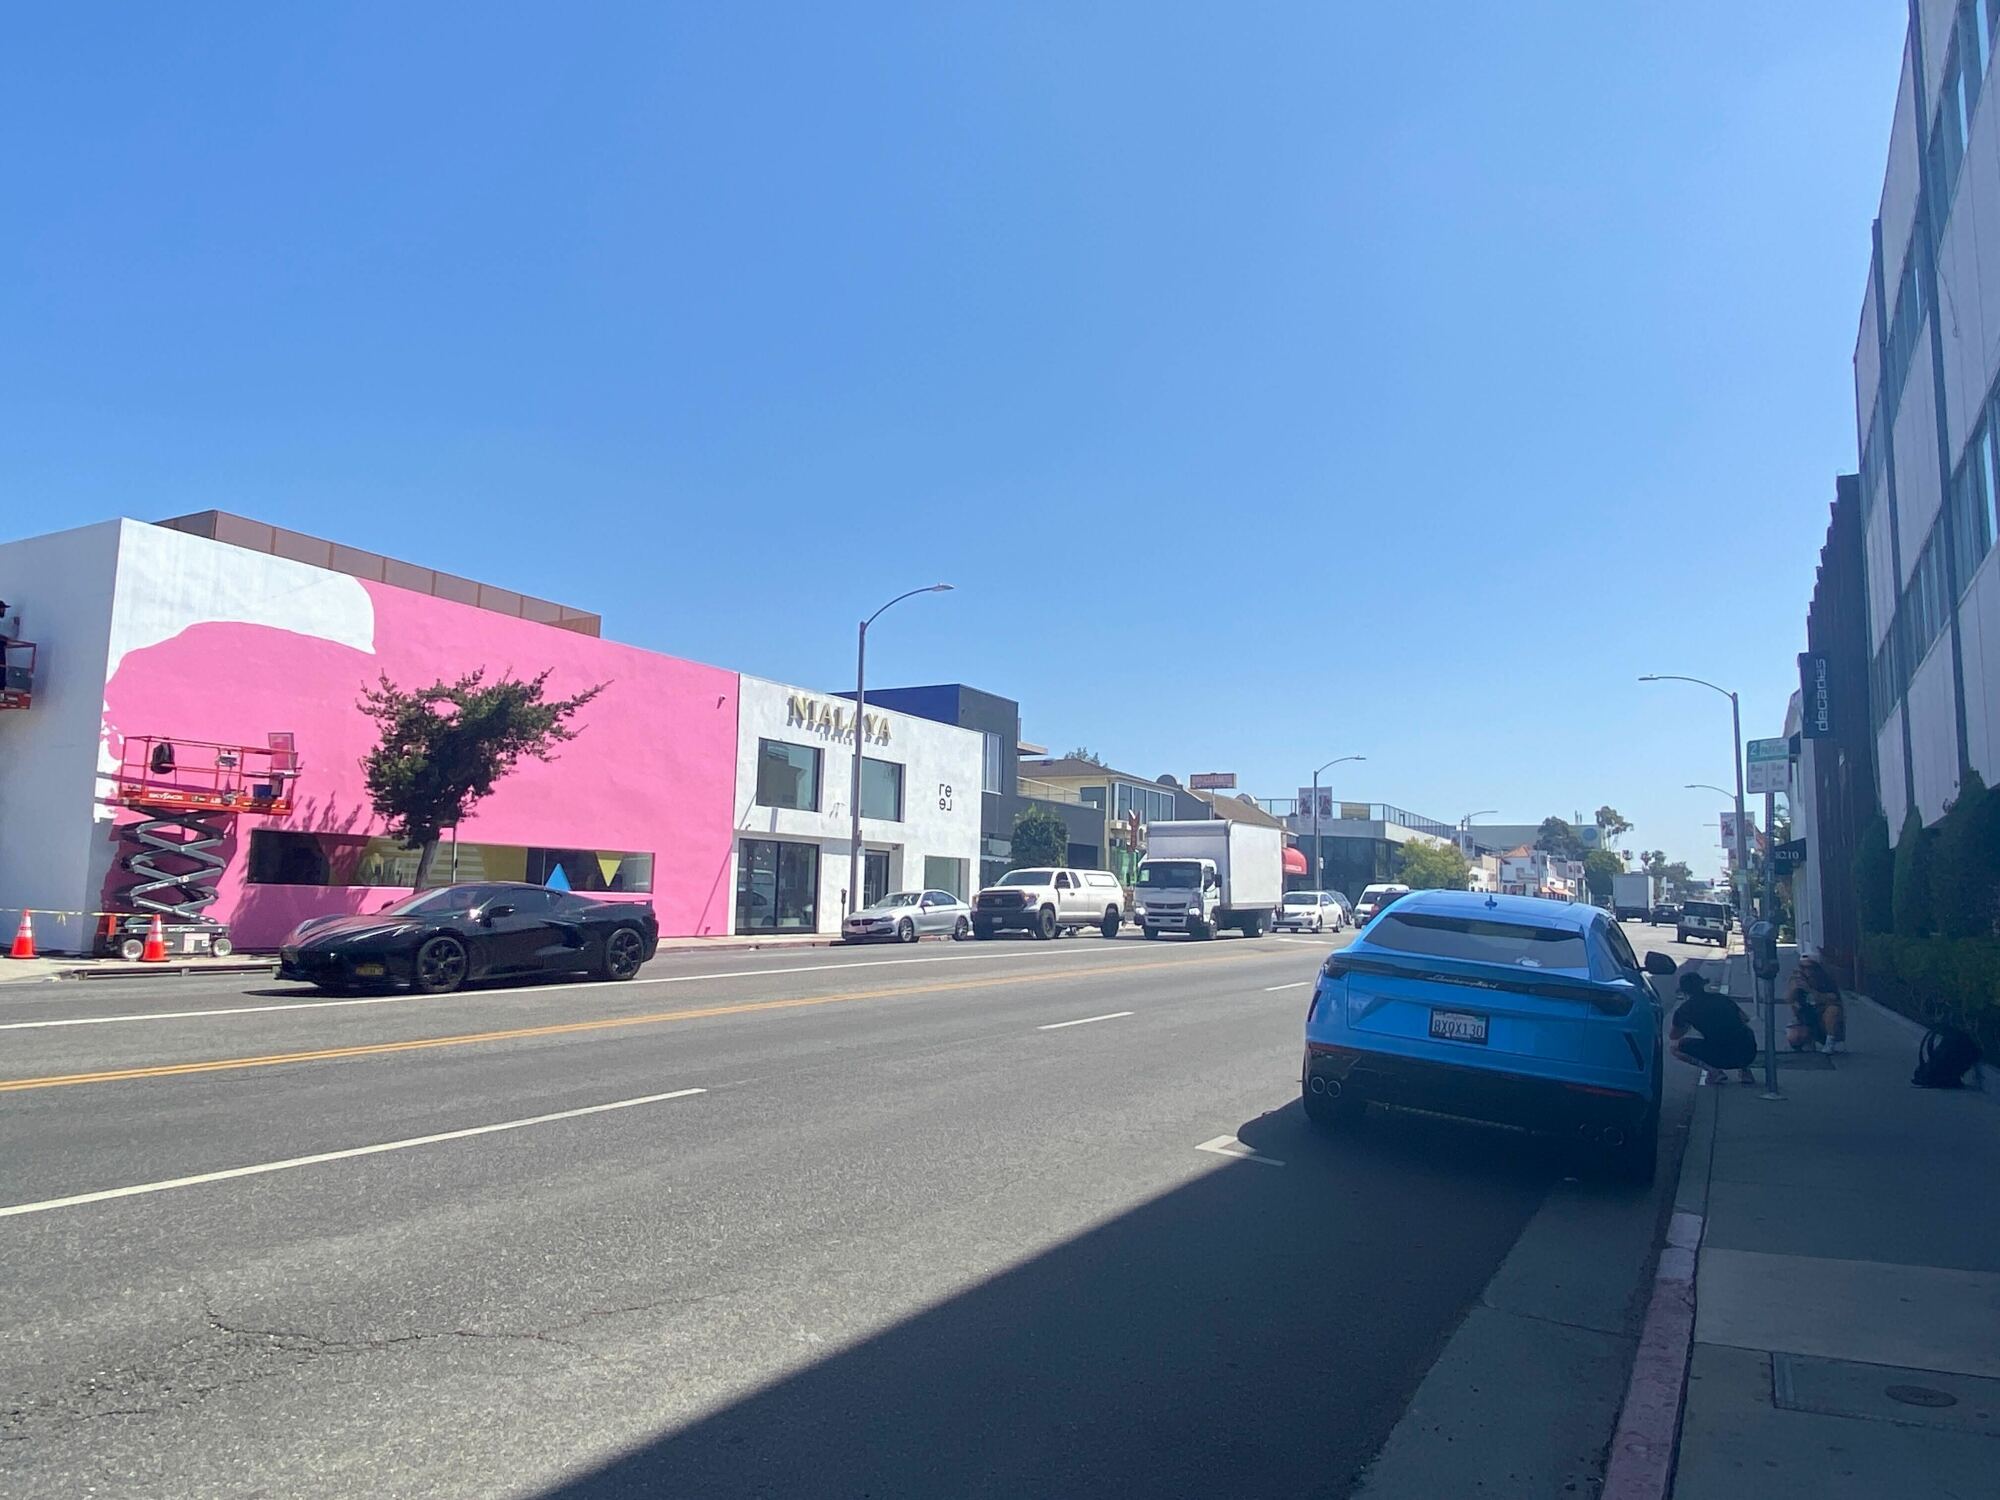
1578	916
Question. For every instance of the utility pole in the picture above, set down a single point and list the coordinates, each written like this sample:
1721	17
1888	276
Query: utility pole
1769	987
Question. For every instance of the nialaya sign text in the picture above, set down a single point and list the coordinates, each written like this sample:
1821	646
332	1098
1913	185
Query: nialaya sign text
833	719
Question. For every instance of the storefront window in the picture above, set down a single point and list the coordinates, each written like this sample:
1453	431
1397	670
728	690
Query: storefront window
945	875
787	775
881	789
777	886
281	856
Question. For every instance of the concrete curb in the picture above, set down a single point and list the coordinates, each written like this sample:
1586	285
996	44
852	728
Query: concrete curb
1647	1440
1643	1448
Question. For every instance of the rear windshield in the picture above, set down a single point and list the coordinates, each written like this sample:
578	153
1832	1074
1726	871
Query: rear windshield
1484	942
1704	909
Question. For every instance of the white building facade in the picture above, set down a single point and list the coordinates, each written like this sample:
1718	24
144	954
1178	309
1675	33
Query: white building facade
1927	407
920	807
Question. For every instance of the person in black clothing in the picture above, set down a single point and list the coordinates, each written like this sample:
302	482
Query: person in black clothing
1725	1039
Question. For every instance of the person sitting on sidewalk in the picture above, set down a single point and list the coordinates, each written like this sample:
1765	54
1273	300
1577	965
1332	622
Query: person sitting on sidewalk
1815	995
1726	1040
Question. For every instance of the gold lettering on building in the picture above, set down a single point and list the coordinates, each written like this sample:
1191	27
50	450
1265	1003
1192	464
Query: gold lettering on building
833	720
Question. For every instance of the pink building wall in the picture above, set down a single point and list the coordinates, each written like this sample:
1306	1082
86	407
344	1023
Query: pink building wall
652	769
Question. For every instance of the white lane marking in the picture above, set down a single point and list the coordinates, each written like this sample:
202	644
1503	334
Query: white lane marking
1272	989
535	989
139	1189
1235	1150
1308	942
1058	1025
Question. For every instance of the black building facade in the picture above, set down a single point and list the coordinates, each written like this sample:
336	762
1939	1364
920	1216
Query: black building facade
999	721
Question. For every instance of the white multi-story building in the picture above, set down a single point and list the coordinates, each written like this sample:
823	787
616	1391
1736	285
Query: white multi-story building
1926	372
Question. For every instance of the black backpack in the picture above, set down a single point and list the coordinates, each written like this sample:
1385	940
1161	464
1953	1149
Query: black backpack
1944	1057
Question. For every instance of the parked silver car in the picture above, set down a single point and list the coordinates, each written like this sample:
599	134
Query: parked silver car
905	916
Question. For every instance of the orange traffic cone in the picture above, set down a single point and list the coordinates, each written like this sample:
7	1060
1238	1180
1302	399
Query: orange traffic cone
155	951
24	938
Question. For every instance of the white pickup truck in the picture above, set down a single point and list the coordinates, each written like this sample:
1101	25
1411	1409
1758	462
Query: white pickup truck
1049	901
1200	876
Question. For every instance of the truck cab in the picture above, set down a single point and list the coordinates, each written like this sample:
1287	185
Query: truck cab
1179	895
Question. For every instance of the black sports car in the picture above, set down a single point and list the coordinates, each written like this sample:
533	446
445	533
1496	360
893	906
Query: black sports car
435	941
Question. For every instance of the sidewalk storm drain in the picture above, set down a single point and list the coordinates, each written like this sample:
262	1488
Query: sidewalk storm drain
1911	1398
1920	1395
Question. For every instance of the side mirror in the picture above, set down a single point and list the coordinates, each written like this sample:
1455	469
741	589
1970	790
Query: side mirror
495	911
1661	965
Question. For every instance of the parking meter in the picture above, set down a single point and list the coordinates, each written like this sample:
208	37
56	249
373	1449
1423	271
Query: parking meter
1764	949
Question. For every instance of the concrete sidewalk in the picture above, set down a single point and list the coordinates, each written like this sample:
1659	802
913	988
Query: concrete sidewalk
1847	1326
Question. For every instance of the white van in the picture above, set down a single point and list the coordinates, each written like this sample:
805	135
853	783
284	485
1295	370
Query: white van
1374	898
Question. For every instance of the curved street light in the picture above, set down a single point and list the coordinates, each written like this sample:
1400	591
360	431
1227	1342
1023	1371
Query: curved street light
861	703
1319	872
1742	879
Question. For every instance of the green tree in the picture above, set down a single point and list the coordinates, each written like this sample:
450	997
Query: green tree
1613	822
1963	866
1874	876
1433	867
1558	838
440	749
1040	839
1599	865
1080	753
1910	897
1672	874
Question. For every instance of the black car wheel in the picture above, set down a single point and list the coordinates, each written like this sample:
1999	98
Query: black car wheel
906	931
1045	929
1110	927
440	966
962	931
982	930
624	951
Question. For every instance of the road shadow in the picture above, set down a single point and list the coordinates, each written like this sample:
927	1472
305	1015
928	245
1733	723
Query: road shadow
1256	1331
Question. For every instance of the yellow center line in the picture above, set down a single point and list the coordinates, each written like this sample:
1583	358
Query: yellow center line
571	1028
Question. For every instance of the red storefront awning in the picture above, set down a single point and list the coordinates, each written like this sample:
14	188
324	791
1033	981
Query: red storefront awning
1295	862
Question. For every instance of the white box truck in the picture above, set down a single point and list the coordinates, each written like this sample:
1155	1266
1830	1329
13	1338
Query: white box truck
1634	896
1199	877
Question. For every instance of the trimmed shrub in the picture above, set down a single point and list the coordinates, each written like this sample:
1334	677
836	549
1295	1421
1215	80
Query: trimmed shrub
1961	872
1910	896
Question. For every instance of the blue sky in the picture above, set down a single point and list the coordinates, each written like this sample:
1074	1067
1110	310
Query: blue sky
1274	382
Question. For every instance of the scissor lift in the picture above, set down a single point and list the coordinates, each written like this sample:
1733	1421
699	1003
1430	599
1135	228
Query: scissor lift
17	672
192	792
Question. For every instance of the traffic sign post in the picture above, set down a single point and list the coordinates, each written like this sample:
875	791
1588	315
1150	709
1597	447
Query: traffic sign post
1769	764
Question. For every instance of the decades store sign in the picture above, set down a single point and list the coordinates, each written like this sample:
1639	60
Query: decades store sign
834	720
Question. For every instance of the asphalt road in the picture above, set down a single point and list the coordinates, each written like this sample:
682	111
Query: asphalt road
987	1219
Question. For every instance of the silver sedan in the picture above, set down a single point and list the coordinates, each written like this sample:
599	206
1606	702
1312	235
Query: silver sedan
905	916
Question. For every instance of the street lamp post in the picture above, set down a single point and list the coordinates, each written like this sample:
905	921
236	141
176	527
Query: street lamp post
1465	826
860	704
1738	882
1319	872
